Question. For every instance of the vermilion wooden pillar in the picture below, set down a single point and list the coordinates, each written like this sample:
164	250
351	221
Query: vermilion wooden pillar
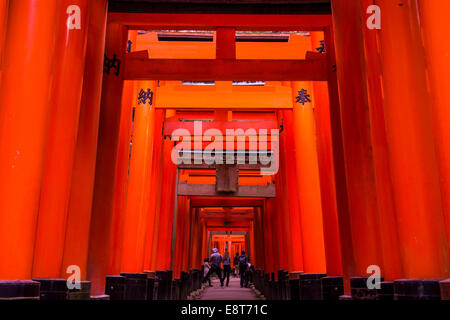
412	156
24	115
83	174
3	24
435	27
361	188
135	220
154	191
61	142
288	151
326	170
383	178
340	176
166	209
129	100
101	250
308	180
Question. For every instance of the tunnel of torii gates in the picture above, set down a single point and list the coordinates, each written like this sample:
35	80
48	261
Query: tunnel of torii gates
89	108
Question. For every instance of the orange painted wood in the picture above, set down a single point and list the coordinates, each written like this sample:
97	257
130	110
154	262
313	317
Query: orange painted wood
435	27
363	205
153	191
83	175
142	68
166	210
412	152
390	246
129	98
4	4
341	189
224	96
24	114
135	221
101	250
226	43
308	181
269	22
61	142
326	171
292	187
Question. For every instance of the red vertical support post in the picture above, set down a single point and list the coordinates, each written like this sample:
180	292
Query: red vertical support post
412	152
129	100
83	174
101	251
388	224
70	55
308	180
287	163
25	101
326	170
363	206
166	208
153	191
435	28
135	217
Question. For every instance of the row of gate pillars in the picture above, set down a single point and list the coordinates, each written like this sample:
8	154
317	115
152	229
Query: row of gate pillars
319	286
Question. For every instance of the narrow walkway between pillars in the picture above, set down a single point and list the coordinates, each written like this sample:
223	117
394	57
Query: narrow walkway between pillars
233	292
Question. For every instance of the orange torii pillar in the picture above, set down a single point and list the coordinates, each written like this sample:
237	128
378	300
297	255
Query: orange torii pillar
361	188
408	116
135	220
61	142
83	175
388	225
4	4
287	163
435	27
129	100
270	242
326	170
187	250
101	250
308	180
164	231
154	191
282	214
24	115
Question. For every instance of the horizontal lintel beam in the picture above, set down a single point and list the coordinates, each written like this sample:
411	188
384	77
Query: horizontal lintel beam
209	190
245	22
225	70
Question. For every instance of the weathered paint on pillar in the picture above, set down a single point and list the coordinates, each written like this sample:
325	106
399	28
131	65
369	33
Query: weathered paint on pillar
412	152
326	170
435	27
101	250
308	178
135	221
363	206
67	88
83	175
389	241
24	115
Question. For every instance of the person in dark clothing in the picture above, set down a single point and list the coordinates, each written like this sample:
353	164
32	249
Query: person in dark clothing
215	260
226	267
243	265
205	270
236	264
